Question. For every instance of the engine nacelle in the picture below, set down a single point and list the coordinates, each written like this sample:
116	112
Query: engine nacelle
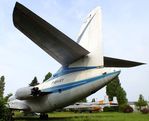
26	93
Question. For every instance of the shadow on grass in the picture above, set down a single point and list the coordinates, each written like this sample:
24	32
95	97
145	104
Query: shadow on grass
65	118
49	119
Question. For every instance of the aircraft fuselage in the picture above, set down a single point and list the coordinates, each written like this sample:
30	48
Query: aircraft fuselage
66	89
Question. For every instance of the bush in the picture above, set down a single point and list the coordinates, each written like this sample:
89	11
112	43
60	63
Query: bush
111	109
5	113
145	110
128	109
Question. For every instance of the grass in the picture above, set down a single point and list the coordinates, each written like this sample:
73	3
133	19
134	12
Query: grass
102	116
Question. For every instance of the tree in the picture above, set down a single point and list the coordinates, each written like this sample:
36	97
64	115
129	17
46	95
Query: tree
114	89
7	97
48	75
2	85
141	102
34	82
121	96
4	111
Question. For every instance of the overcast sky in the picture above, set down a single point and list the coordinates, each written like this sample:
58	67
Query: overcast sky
125	35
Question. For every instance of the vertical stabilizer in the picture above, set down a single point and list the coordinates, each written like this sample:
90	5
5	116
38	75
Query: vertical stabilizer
115	100
90	38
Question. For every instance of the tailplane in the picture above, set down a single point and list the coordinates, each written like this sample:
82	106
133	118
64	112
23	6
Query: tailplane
86	52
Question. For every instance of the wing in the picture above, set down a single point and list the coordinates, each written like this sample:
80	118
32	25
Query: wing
51	40
114	62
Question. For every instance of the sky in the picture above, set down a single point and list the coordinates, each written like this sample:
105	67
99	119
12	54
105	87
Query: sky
125	25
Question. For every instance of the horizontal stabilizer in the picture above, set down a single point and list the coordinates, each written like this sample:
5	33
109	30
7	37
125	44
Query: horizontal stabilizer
114	62
54	42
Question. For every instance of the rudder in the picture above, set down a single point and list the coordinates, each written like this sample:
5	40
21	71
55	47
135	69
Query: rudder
90	38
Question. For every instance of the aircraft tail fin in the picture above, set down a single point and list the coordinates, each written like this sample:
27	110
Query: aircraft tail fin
115	100
90	38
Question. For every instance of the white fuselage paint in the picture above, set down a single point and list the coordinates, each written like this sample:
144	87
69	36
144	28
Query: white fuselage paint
64	98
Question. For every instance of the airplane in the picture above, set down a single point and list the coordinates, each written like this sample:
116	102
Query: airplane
84	69
83	107
96	106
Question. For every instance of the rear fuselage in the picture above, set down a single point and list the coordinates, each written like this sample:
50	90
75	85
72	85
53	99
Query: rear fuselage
69	88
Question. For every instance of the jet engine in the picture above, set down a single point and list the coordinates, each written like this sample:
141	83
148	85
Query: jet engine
27	93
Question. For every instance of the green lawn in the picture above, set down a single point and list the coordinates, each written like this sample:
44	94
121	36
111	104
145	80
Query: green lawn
103	116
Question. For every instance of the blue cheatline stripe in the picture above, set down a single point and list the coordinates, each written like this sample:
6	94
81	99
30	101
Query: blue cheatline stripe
67	70
76	84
